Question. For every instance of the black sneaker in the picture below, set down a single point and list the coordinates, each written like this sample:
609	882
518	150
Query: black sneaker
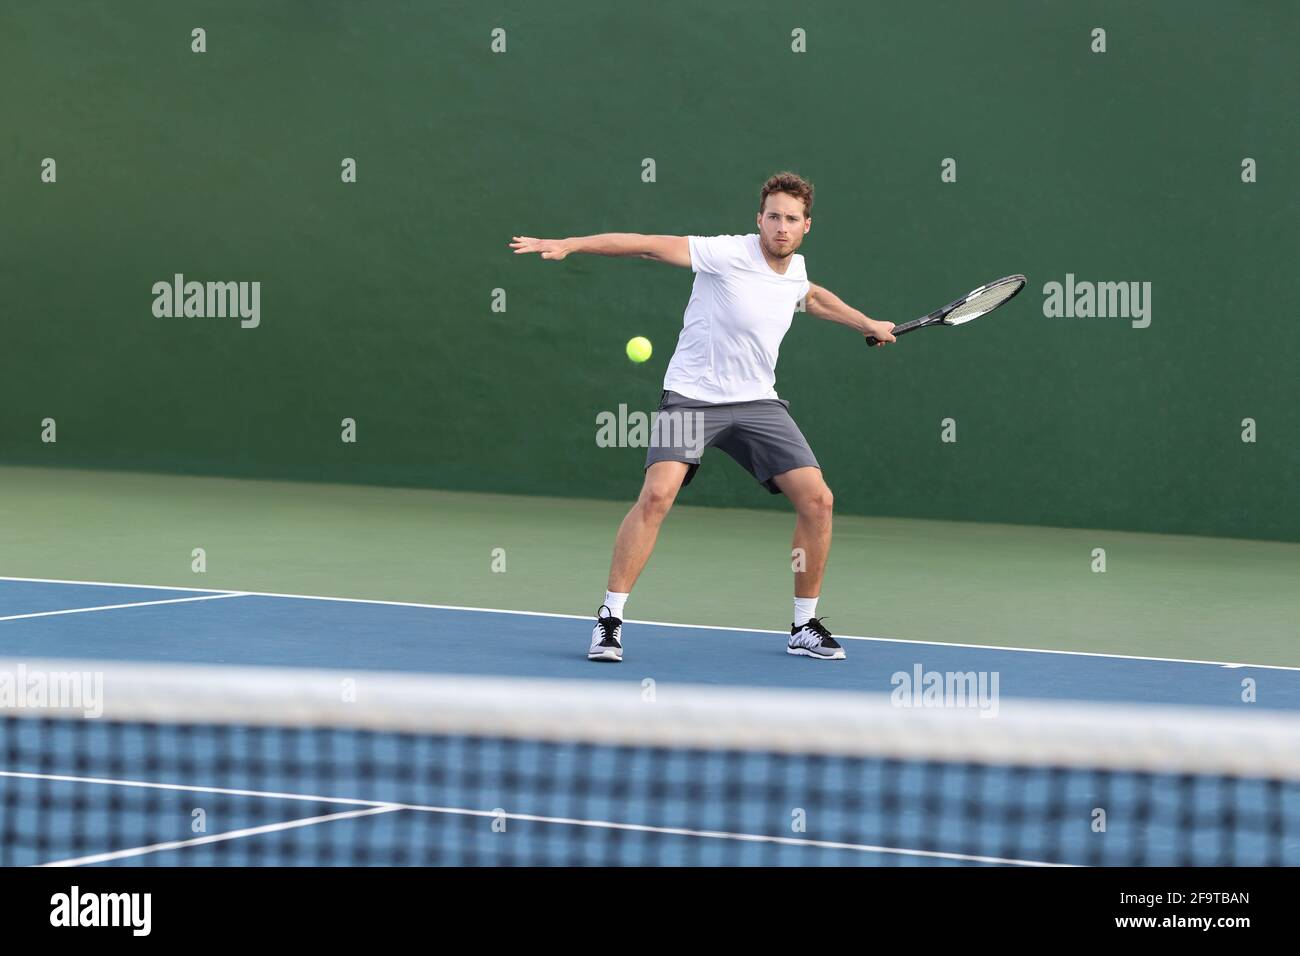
813	640
606	638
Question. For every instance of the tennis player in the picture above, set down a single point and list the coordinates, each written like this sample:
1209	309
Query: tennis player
722	373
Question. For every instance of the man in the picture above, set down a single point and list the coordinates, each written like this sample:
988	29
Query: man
722	373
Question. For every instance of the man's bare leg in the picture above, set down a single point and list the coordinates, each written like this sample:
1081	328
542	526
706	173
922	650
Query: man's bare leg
813	504
640	528
632	547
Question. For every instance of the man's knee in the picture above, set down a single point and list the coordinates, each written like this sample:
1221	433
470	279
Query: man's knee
656	498
662	482
817	503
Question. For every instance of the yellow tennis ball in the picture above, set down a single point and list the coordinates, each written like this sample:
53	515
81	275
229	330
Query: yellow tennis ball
638	349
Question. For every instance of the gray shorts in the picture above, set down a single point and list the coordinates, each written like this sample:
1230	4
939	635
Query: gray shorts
761	436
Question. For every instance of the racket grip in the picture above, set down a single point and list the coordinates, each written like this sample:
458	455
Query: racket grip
898	330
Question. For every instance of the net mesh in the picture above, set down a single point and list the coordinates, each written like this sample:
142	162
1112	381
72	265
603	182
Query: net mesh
207	766
986	300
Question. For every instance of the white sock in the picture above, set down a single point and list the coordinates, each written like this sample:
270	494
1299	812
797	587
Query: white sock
615	601
804	610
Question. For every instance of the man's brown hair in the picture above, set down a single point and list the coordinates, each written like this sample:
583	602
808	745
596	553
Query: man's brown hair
791	183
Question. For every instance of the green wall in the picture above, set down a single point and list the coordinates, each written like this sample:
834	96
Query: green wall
376	296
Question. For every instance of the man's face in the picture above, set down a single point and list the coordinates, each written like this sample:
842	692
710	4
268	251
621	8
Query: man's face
781	225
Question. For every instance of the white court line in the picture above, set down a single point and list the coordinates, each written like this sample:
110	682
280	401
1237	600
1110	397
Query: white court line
218	837
114	607
703	627
222	791
379	806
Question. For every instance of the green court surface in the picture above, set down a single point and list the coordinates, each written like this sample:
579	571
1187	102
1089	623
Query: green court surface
999	585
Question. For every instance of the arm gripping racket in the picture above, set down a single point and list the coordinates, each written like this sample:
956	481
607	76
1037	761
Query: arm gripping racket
978	302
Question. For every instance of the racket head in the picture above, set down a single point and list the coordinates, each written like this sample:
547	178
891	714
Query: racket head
983	300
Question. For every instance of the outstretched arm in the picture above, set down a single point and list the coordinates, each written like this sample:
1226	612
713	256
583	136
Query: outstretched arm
825	304
674	250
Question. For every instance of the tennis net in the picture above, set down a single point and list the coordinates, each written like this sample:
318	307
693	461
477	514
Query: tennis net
199	765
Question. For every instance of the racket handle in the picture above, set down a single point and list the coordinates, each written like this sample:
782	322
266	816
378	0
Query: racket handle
898	330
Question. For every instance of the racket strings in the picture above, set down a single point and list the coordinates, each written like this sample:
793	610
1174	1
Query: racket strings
986	300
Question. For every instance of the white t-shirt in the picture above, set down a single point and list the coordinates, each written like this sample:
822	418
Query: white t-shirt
740	310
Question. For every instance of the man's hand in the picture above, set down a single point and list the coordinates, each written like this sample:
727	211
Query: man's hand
549	248
882	332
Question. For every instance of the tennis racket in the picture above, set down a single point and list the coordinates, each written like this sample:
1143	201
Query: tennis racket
978	302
